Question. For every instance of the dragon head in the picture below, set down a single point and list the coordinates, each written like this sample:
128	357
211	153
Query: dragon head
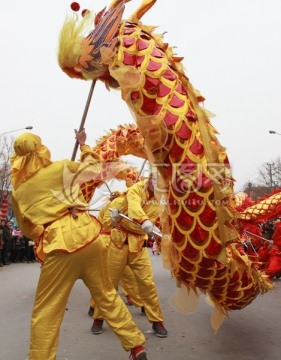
85	43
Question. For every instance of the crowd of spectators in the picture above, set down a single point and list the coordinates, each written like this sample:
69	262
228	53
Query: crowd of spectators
14	246
272	231
265	249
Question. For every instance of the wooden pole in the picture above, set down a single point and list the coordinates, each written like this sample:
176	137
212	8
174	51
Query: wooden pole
83	120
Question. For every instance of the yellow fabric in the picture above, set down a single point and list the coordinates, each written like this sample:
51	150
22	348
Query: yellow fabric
88	154
137	204
90	265
128	282
128	285
140	265
47	212
43	197
30	155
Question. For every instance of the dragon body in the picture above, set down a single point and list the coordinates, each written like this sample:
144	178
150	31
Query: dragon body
204	245
264	209
263	249
125	140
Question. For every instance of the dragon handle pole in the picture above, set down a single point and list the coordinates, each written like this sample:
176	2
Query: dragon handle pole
141	169
123	216
83	120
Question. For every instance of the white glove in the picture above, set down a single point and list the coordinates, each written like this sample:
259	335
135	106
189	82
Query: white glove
155	229
115	217
147	226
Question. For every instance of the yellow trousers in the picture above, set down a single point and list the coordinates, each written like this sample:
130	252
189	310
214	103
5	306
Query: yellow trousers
128	286
141	267
58	275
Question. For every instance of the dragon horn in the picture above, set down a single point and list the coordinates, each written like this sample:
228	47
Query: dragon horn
143	8
114	3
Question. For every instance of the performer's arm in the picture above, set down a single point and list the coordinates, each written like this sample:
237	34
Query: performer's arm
136	196
87	154
30	230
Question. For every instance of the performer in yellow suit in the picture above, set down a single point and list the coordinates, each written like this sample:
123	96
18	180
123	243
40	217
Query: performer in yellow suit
128	282
50	209
128	247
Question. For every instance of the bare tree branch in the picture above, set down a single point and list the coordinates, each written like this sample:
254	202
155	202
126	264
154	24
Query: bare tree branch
6	150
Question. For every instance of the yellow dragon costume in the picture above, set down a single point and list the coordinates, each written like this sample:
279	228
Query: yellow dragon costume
201	229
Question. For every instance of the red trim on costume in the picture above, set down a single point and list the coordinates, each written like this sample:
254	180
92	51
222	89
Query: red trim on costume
105	232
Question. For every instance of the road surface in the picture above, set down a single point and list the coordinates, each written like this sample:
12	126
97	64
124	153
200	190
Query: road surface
253	333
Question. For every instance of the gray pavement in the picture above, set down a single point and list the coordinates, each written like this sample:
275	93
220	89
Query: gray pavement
253	333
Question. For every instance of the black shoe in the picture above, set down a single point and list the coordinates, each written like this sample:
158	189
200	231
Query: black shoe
91	312
97	327
159	329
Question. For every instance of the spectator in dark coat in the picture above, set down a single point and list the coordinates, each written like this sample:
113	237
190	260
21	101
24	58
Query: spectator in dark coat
7	239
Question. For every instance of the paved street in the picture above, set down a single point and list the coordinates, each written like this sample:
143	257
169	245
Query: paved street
253	333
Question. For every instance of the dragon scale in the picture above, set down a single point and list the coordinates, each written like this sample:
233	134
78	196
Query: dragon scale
125	140
205	249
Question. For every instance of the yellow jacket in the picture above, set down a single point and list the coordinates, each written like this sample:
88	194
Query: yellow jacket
137	204
43	204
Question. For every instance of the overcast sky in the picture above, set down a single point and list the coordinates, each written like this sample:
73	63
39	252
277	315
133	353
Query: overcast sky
232	54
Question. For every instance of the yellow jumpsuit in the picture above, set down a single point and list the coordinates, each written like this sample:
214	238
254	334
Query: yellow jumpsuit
129	287
128	282
71	249
127	246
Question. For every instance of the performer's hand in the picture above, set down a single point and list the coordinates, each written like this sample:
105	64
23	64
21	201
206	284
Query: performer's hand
115	217
80	136
147	227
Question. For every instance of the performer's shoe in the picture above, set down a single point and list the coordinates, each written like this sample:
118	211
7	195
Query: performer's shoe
91	312
129	300
138	353
159	329
97	327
